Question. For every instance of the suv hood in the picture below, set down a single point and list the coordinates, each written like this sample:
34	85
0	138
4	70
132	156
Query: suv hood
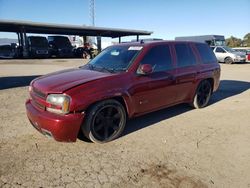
61	81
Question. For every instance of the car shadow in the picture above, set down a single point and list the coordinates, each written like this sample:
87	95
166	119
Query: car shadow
239	63
228	88
16	81
144	121
82	137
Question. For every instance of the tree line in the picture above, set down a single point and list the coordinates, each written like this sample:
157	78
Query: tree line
237	42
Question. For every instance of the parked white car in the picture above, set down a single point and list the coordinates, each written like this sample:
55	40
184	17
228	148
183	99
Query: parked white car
227	55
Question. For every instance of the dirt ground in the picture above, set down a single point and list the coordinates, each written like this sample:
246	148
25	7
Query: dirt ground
175	147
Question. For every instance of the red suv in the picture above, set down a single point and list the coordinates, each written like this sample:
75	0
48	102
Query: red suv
122	82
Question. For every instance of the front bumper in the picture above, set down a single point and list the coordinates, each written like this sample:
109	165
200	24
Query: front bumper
62	128
238	60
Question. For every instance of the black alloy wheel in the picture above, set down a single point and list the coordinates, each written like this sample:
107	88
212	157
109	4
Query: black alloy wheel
203	94
105	121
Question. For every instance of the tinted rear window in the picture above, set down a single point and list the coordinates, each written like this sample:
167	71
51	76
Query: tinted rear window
207	55
185	56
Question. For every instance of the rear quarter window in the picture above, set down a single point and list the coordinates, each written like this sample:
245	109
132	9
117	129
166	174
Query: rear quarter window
206	53
185	55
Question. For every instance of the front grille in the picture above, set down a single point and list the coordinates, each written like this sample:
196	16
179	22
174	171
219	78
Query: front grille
38	98
42	51
39	93
41	106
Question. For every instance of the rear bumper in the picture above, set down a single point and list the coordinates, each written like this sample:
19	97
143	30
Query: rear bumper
62	128
216	77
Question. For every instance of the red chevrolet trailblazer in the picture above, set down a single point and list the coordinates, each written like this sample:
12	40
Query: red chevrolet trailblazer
122	82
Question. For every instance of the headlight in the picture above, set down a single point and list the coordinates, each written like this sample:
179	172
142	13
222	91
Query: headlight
58	103
238	56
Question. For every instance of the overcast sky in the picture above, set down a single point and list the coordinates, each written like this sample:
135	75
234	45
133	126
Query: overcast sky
167	19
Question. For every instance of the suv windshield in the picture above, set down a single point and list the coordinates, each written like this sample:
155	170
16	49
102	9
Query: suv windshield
62	42
115	58
38	41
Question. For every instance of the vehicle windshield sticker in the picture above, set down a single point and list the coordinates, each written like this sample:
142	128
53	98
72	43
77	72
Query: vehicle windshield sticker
115	53
135	48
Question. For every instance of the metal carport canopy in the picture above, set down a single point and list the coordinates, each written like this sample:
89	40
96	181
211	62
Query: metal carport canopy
48	28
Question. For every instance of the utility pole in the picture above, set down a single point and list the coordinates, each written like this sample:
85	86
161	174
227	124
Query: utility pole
92	12
92	21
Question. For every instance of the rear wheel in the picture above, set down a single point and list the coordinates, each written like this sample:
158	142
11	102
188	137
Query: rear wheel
228	60
105	121
202	95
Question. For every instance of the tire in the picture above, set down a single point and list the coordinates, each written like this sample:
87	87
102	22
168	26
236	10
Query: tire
228	60
105	121
202	95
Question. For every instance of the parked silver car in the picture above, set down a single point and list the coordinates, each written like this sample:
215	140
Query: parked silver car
244	50
227	55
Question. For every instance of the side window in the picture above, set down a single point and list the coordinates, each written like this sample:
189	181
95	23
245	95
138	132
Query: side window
185	56
220	50
159	57
206	53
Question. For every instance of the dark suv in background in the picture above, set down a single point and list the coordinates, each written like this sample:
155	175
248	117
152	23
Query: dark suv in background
60	46
38	47
123	81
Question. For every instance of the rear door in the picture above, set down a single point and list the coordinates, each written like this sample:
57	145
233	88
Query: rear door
186	73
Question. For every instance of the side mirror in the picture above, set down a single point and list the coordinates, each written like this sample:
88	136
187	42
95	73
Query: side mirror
145	69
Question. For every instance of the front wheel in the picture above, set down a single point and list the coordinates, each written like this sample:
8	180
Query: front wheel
105	121
202	95
228	60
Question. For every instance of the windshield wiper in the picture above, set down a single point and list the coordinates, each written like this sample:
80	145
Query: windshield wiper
120	69
92	67
87	66
111	70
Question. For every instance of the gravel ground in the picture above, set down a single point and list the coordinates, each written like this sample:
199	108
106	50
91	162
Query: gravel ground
175	147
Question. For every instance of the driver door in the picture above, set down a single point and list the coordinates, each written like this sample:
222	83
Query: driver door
156	89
